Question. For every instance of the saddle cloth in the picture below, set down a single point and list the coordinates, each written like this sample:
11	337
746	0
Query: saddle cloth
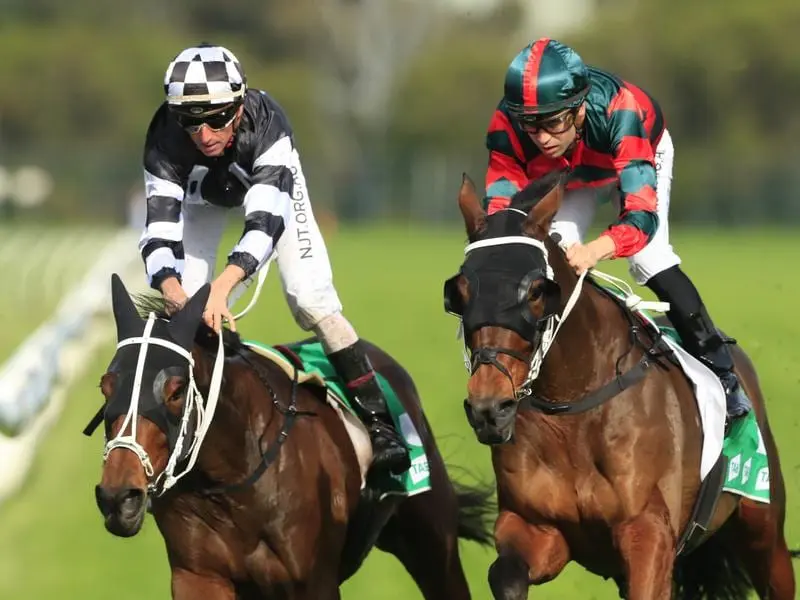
317	370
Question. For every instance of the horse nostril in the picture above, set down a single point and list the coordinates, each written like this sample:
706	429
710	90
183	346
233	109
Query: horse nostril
127	501
104	499
474	417
493	413
506	406
130	501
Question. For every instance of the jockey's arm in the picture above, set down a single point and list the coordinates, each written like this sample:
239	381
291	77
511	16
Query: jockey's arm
161	242
634	162
505	175
267	208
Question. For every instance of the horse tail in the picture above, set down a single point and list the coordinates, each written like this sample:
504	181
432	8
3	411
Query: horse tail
712	571
794	553
475	512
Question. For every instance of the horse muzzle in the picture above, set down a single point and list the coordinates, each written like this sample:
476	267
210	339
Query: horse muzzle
493	422
123	509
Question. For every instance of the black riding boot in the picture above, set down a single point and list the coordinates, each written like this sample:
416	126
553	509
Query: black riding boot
699	335
353	366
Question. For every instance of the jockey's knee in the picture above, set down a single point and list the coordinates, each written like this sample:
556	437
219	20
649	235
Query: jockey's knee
310	308
651	261
568	231
335	332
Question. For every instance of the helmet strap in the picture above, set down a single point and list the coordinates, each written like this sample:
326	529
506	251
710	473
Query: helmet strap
236	121
578	133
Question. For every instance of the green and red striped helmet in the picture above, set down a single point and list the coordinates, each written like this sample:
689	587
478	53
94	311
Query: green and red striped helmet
545	77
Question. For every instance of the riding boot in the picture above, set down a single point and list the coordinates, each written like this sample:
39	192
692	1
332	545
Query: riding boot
352	364
699	335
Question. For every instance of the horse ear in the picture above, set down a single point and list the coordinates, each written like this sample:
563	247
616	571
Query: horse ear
470	205
540	217
184	323
126	316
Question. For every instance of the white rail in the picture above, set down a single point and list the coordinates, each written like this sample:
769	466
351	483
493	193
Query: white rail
34	381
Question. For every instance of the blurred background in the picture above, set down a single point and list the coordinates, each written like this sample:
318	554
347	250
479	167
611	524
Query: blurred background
390	100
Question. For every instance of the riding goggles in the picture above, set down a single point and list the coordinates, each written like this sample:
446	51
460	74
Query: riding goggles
553	124
215	120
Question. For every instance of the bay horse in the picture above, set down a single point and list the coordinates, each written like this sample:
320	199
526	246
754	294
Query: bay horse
263	500
610	484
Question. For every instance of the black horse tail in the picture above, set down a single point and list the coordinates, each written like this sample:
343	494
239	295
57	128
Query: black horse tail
476	512
712	571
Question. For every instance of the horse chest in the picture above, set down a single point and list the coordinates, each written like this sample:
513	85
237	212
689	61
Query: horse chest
541	491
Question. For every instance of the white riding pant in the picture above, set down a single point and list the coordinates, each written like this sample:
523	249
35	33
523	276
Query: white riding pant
301	254
578	207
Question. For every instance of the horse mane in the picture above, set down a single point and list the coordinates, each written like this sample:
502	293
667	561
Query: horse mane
531	194
205	337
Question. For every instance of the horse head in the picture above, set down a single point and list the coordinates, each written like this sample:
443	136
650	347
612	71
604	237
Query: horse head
505	293
150	412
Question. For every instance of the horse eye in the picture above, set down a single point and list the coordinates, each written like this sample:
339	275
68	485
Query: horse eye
178	393
169	384
535	292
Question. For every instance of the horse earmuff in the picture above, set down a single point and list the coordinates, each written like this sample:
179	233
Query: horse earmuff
453	301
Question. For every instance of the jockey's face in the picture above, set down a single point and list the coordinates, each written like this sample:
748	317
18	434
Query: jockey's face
556	135
213	142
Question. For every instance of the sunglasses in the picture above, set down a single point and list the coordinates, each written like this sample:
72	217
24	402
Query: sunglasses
549	123
216	121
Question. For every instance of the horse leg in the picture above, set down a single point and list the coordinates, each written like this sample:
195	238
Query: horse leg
190	586
647	547
527	554
423	535
758	536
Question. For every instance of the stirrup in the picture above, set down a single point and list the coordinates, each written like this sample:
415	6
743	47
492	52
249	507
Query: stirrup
391	441
379	429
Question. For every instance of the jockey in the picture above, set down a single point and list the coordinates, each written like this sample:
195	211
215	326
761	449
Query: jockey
558	113
215	148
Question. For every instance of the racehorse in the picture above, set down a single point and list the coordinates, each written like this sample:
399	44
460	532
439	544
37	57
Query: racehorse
264	500
596	445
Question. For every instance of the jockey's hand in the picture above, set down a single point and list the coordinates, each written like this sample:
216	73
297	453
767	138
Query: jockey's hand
217	305
583	257
174	294
217	310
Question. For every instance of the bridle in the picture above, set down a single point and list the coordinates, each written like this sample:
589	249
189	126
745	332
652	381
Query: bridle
190	439
546	331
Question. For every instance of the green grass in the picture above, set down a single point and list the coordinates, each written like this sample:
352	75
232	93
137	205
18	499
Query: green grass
52	542
39	265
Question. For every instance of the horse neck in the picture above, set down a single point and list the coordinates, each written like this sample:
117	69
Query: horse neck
240	417
588	343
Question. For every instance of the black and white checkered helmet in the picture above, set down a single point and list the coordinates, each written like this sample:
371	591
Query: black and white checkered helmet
204	74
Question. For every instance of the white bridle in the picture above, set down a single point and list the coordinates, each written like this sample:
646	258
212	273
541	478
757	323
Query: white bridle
194	404
554	322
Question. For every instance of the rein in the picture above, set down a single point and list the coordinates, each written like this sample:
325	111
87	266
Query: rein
268	456
621	381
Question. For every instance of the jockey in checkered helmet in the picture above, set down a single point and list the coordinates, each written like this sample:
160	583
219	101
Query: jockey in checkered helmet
205	84
256	167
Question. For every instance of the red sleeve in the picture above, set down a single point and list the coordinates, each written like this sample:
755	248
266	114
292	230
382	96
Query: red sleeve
506	173
634	162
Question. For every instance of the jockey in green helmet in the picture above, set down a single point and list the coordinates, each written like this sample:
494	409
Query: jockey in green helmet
558	113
